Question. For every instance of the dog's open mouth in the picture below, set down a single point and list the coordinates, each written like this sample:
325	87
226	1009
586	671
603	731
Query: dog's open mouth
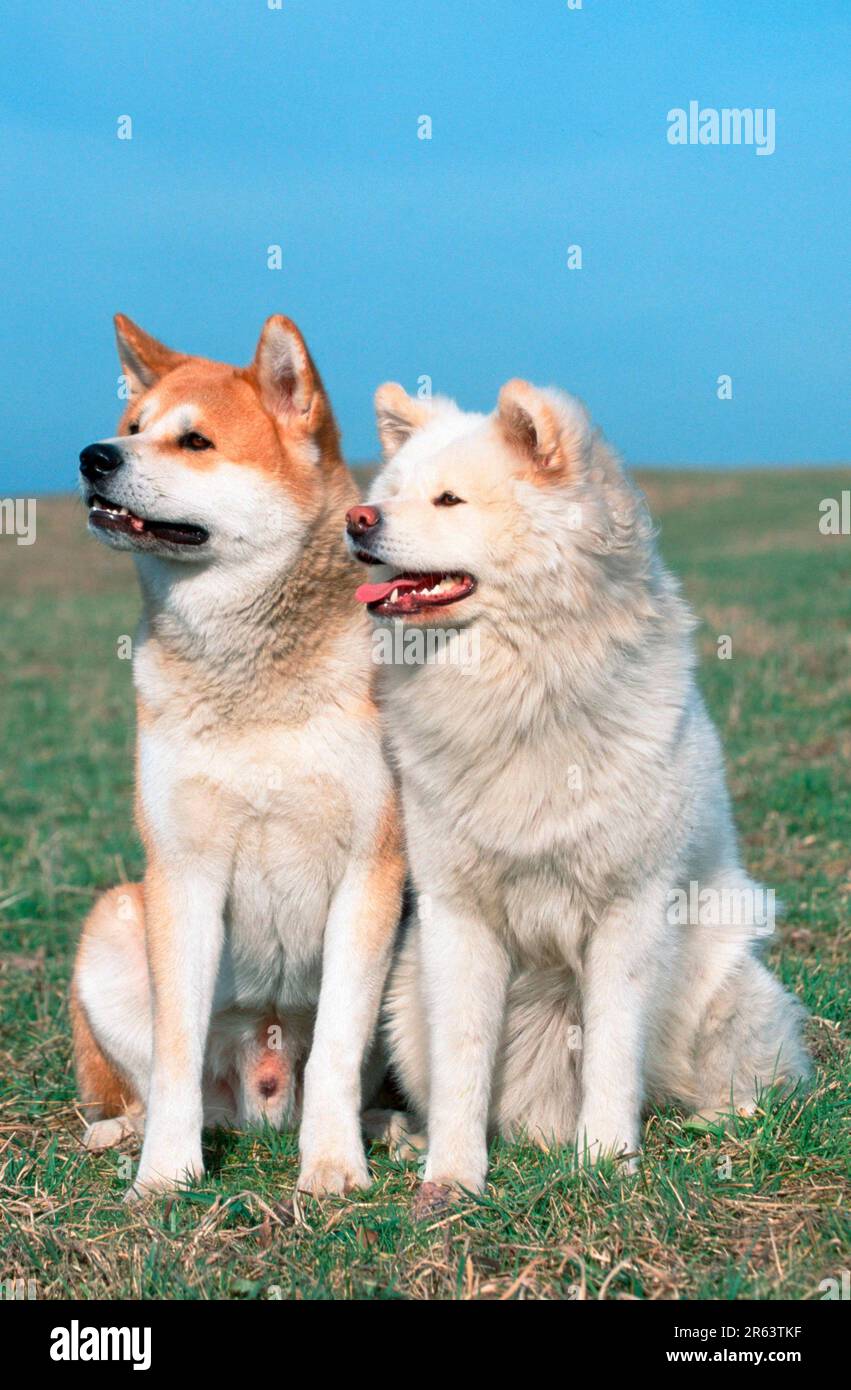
414	593
108	516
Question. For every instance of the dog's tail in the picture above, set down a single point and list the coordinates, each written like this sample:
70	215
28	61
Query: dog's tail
537	1085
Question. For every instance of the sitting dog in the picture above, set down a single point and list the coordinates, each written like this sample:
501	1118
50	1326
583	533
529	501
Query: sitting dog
263	930
560	800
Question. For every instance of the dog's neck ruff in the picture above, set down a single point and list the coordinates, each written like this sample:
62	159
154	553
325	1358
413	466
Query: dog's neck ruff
261	635
575	665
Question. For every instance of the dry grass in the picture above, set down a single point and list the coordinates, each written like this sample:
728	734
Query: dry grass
758	1213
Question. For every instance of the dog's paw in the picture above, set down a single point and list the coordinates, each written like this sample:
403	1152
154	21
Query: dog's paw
156	1185
107	1134
160	1172
462	1168
626	1161
433	1199
590	1151
724	1116
408	1148
398	1130
332	1176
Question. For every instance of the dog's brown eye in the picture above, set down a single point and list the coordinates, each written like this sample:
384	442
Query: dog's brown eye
134	428
447	499
195	441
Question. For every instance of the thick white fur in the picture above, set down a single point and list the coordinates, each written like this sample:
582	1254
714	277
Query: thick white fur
552	800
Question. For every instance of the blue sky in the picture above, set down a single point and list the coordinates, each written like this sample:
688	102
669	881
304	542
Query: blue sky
448	258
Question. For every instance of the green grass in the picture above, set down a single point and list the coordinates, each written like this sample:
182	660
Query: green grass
771	1222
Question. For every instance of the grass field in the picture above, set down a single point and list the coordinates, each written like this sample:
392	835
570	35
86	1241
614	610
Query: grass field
772	1222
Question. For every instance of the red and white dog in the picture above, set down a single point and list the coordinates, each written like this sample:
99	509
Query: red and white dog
263	929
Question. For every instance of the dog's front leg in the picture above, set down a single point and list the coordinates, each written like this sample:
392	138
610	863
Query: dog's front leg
619	977
465	972
356	955
184	924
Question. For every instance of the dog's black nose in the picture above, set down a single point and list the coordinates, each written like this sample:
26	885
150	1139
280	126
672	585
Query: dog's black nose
97	460
359	520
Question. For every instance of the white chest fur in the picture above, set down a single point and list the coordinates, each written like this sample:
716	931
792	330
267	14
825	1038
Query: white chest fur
272	807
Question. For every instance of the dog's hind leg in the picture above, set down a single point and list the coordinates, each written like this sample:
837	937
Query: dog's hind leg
111	1018
749	1039
727	1028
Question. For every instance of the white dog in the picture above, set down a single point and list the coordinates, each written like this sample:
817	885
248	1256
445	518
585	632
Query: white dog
561	802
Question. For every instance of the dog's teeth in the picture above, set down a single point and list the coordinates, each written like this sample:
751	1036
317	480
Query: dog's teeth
394	597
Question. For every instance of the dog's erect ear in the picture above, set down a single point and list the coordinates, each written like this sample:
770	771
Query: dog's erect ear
549	431
289	383
143	359
398	415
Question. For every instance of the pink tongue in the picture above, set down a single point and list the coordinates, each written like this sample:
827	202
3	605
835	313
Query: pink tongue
374	593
